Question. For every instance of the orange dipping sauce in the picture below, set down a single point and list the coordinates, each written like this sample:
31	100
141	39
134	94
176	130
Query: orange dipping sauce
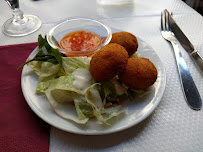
80	41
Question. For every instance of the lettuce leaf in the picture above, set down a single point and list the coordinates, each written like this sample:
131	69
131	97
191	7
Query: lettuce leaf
62	83
46	71
97	112
63	96
70	64
36	66
109	91
112	109
84	109
64	110
59	89
140	92
115	114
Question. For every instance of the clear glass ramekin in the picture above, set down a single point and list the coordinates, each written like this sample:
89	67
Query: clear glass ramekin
78	24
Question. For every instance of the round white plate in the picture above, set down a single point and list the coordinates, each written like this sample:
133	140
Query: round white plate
137	111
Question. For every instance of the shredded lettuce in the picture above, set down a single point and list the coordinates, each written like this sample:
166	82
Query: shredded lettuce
96	110
70	64
73	103
45	70
141	93
63	96
119	87
36	66
109	91
115	114
84	109
62	83
113	111
64	110
48	72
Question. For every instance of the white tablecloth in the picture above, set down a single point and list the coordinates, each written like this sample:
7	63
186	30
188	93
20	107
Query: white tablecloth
173	126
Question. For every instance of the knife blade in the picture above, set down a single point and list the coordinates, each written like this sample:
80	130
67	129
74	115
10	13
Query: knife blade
186	44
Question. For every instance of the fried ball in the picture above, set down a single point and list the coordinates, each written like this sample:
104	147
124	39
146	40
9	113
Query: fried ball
108	62
140	73
127	40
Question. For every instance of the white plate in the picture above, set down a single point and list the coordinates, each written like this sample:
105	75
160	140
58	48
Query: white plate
137	111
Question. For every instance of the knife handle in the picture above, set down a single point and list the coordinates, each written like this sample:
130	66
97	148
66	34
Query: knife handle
198	60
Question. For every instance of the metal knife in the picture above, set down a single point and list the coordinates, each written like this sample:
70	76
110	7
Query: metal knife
186	44
191	93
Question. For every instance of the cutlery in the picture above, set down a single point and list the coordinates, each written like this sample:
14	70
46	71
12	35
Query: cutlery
190	91
186	44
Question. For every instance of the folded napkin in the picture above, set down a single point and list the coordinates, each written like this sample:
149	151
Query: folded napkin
20	129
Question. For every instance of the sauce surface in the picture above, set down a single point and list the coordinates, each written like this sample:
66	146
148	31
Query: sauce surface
80	41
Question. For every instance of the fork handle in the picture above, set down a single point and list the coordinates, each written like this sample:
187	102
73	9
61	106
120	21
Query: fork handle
191	93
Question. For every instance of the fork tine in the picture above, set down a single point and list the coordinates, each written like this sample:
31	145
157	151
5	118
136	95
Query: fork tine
166	19
162	21
169	23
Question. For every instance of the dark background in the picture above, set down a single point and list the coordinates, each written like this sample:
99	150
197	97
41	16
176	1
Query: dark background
196	4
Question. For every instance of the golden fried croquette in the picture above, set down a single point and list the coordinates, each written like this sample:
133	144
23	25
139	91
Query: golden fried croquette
127	40
140	73
108	62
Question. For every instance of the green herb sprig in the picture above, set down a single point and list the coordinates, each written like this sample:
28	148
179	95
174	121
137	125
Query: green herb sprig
45	53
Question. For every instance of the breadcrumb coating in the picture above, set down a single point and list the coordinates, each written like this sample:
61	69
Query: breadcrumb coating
108	62
140	73
127	40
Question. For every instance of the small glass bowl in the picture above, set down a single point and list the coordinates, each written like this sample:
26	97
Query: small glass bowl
78	24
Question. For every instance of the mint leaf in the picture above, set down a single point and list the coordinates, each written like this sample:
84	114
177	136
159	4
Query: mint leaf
45	53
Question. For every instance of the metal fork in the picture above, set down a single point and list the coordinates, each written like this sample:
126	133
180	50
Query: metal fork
189	88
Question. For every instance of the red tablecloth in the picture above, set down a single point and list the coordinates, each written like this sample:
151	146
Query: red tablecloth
20	129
